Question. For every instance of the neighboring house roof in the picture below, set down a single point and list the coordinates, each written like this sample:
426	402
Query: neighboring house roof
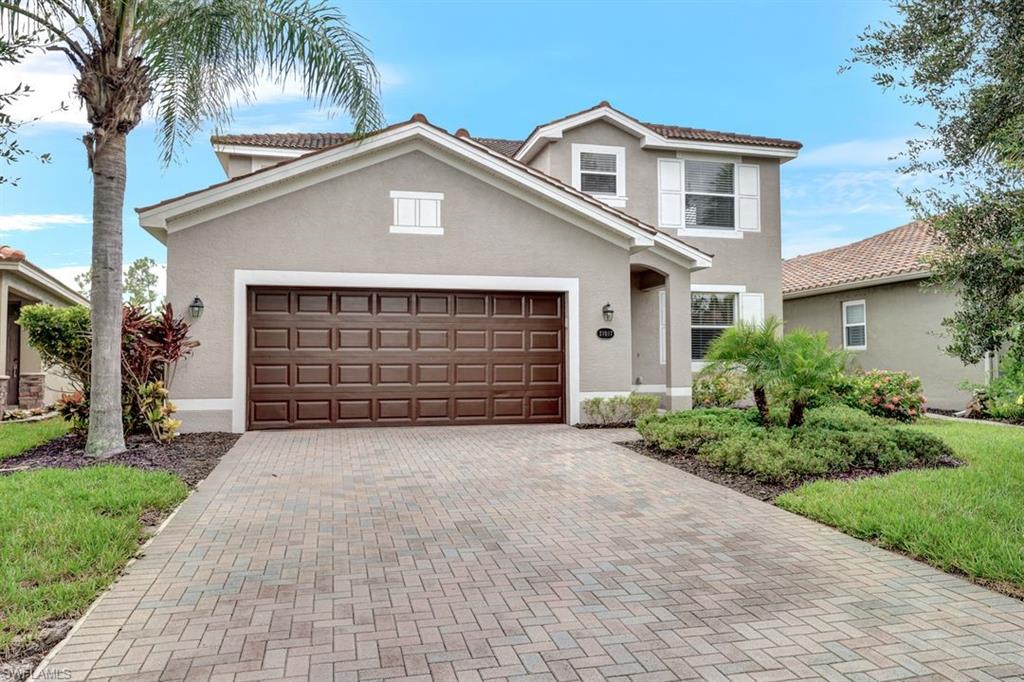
895	255
154	218
13	260
675	132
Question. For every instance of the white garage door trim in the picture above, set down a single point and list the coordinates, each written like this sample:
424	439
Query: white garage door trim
570	286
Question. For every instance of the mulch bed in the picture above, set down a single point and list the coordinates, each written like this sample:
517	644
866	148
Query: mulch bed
750	486
191	456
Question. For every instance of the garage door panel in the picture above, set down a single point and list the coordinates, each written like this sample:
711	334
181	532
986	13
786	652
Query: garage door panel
362	358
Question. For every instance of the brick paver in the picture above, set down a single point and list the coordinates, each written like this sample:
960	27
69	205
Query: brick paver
535	552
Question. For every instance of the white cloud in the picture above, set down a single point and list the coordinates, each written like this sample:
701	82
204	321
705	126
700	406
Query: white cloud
67	274
33	222
854	153
801	239
52	100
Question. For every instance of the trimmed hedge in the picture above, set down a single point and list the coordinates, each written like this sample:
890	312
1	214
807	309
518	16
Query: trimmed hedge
833	440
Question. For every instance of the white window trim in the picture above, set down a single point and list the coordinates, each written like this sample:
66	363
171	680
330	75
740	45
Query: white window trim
850	304
617	200
570	286
662	328
397	228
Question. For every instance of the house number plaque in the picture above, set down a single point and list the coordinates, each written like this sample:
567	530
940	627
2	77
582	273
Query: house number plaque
605	333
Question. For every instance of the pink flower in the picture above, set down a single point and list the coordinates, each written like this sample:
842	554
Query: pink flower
896	399
876	400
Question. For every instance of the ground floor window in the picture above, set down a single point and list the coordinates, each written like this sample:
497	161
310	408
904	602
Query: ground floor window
855	325
710	315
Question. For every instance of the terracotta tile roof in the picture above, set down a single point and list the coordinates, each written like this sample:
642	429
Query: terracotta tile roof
313	141
506	147
11	255
701	135
896	252
284	140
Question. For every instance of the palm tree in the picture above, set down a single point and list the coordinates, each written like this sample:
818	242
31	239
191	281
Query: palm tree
191	60
754	348
808	369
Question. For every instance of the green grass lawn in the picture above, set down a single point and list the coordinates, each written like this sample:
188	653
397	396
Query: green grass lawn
65	535
16	438
968	520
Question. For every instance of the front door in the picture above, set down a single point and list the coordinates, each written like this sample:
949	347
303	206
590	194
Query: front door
13	354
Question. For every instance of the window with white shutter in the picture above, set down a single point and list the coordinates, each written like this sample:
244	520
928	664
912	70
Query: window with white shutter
670	192
417	212
752	308
600	171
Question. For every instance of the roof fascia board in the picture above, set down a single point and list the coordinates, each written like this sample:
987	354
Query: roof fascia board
859	284
258	150
45	280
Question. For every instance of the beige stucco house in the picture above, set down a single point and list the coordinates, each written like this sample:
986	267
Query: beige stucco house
871	299
24	382
416	277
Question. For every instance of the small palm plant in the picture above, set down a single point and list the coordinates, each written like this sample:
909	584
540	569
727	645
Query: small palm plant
807	369
191	61
754	349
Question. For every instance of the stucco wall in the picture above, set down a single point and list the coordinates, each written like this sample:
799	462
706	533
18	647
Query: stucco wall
754	261
341	225
647	367
904	331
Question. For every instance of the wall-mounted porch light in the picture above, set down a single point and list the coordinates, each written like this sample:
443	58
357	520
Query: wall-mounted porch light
195	308
608	312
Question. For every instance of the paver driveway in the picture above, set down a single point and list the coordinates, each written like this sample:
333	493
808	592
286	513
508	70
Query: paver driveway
494	552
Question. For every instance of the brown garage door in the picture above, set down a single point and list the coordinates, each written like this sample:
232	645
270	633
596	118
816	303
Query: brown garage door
360	357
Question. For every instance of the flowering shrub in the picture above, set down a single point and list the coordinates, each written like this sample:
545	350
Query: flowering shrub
893	395
157	410
714	387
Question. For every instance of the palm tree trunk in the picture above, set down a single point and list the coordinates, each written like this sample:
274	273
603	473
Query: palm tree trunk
796	414
106	432
761	400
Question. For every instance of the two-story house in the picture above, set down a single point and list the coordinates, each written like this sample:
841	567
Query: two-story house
414	276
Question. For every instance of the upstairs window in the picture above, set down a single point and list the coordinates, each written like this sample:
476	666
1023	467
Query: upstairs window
710	195
416	212
855	325
711	313
709	198
600	171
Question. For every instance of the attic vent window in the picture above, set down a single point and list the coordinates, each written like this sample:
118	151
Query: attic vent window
601	172
416	212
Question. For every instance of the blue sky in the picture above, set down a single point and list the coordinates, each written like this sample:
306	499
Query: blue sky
498	69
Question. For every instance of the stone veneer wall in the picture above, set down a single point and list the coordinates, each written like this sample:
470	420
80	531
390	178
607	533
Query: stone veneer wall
31	390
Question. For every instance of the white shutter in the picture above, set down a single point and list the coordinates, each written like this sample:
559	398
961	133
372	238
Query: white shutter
752	308
670	193
748	197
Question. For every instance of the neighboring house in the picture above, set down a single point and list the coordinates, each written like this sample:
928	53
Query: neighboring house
24	382
420	277
869	297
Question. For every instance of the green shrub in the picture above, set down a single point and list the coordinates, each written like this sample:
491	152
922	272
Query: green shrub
924	447
620	409
893	395
832	440
151	346
716	387
688	430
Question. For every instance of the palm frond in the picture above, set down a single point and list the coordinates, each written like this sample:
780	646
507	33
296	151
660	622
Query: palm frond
203	58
